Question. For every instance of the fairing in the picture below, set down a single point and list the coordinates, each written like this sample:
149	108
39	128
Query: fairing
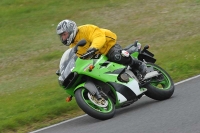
67	63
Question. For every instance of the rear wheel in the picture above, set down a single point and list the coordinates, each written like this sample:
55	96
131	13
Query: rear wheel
100	109
160	87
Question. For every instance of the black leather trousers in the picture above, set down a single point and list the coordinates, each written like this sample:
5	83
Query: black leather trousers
114	55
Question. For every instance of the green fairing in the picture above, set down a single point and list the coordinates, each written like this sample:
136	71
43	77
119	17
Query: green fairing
99	72
102	73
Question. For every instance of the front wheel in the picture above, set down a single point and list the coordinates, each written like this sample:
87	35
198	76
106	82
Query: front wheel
100	109
160	87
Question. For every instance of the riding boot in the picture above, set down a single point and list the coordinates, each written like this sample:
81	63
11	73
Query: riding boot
140	66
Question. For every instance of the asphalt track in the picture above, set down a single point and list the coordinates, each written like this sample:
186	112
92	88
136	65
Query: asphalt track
179	114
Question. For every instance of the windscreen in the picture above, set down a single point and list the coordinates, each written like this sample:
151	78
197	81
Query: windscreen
67	63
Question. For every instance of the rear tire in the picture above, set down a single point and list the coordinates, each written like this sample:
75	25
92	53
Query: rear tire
160	87
92	109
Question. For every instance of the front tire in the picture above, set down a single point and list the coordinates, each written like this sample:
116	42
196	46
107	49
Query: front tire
160	87
85	102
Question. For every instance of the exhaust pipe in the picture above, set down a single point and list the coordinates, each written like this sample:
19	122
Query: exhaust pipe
151	74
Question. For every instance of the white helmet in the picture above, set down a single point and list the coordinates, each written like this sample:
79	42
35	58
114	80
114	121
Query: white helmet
67	26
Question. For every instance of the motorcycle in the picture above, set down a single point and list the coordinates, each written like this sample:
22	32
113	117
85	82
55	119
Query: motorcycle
100	86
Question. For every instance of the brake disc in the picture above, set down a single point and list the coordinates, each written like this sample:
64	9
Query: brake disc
101	103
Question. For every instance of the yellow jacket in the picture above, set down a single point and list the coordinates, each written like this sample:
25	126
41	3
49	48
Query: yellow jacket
101	39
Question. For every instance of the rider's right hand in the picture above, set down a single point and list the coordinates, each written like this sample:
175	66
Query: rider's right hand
90	52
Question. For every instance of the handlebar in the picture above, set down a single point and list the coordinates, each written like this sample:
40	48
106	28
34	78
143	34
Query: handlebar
88	54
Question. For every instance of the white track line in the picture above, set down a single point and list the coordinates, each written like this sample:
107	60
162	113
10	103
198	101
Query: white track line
58	124
86	114
187	80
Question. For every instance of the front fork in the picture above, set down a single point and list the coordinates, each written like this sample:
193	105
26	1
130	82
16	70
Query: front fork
90	86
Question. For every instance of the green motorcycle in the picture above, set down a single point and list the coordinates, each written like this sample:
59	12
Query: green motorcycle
100	86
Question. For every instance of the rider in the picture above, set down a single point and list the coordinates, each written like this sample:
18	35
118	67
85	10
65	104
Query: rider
99	39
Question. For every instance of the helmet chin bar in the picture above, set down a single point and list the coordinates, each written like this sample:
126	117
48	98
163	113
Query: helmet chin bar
65	42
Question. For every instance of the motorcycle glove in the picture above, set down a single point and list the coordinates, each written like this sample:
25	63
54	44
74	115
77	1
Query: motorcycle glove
90	52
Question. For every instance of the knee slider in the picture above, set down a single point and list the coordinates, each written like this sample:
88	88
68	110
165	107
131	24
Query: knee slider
124	53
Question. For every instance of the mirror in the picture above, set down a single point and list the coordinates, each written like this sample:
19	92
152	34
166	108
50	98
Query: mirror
80	43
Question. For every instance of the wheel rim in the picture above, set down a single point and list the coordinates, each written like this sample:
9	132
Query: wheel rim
104	109
164	83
